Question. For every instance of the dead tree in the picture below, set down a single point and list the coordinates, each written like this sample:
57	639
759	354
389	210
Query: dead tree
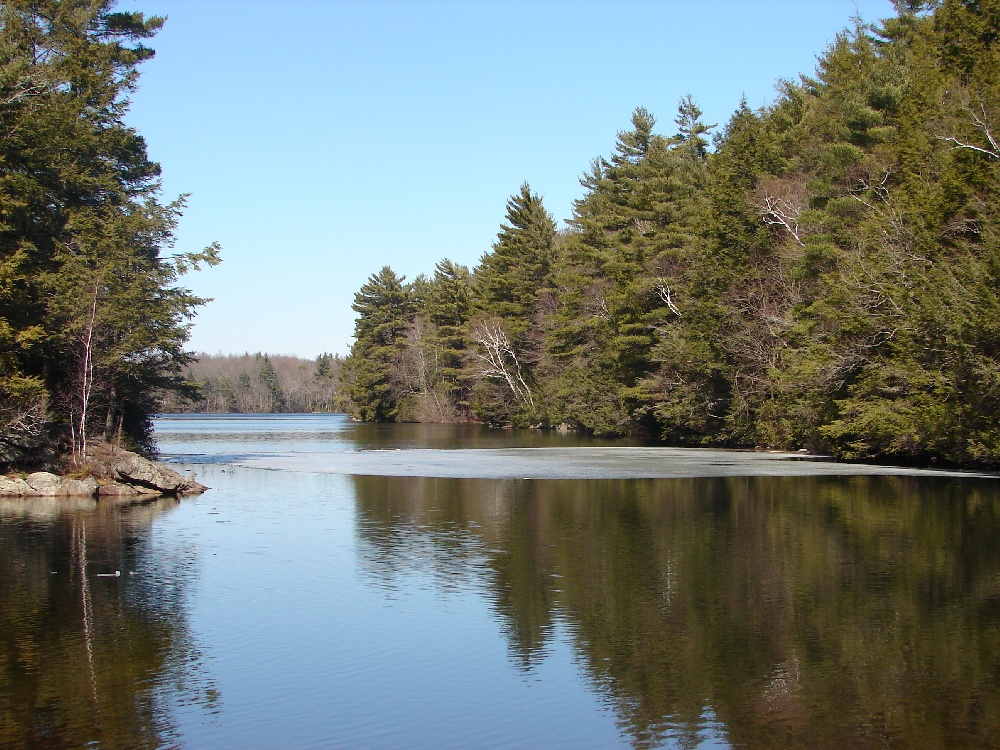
981	122
499	361
781	203
667	295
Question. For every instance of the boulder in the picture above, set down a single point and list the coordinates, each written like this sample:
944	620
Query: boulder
86	487
123	474
45	483
15	488
135	470
117	489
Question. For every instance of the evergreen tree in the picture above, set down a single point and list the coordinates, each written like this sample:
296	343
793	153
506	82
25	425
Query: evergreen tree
826	275
927	389
622	274
92	325
509	283
324	366
691	131
384	309
448	308
509	279
272	398
429	367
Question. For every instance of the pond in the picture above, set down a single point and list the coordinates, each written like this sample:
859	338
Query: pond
346	585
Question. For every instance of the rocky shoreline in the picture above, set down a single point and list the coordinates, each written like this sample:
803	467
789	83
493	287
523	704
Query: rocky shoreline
106	472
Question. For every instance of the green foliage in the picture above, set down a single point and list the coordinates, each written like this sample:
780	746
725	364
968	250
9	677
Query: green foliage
624	274
511	284
824	276
324	366
90	314
384	309
447	309
509	279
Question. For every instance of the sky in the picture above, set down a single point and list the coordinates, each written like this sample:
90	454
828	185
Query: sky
319	140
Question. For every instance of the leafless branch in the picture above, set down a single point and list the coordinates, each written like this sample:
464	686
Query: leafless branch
781	202
779	212
980	123
666	294
498	360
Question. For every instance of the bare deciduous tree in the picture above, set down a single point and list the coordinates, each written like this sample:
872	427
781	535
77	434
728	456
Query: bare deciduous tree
498	360
981	122
781	203
78	425
667	295
23	419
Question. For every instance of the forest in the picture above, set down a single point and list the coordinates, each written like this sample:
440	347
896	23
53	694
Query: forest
819	273
93	322
257	384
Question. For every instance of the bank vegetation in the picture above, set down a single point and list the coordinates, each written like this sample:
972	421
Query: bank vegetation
821	272
93	320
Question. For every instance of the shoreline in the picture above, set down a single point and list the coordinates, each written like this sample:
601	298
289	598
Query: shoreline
105	472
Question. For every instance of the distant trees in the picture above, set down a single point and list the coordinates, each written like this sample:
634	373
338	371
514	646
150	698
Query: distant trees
258	384
823	274
92	322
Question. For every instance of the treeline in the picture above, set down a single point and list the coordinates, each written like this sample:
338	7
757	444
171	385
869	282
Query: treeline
822	272
258	383
92	321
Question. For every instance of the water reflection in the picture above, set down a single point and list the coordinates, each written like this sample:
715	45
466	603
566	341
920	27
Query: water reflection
764	611
95	648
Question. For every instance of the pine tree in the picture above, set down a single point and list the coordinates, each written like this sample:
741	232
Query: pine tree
621	275
384	310
92	324
448	308
324	366
509	279
509	283
928	388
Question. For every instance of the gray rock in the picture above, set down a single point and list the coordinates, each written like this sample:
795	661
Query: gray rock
15	488
132	469
44	483
132	477
117	489
86	487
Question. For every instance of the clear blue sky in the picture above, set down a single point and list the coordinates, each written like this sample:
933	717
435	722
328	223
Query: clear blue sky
323	139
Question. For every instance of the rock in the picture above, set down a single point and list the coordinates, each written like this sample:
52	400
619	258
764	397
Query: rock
15	488
123	474
116	489
86	487
44	483
135	470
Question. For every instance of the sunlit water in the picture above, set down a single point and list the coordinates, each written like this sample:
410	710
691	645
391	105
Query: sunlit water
315	607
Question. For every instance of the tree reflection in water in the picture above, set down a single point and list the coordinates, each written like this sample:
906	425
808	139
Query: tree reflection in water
792	611
88	657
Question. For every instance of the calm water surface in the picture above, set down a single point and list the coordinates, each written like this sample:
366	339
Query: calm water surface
304	608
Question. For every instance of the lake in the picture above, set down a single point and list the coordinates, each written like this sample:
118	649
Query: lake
391	586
